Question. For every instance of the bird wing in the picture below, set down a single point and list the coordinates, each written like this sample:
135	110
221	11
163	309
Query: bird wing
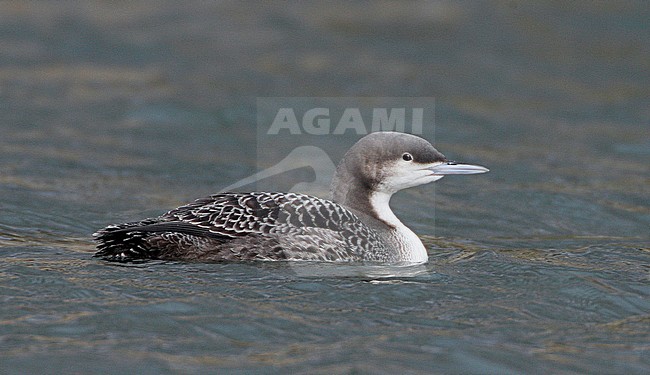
233	215
298	226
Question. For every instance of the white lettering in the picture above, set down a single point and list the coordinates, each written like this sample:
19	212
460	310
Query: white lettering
382	121
351	119
416	121
323	126
317	121
285	119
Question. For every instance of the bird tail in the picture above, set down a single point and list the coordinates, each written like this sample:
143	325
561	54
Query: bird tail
124	242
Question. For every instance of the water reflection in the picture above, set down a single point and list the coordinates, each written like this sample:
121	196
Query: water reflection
366	271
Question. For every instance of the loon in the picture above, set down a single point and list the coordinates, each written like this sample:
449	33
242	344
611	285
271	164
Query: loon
357	225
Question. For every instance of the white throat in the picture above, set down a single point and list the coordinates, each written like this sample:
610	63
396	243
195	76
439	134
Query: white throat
412	249
380	204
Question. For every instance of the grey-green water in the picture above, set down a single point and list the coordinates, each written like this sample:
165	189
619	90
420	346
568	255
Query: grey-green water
117	111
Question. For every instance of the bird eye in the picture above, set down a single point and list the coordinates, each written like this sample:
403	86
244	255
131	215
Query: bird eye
407	156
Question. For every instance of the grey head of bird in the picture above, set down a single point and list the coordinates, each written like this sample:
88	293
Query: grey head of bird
383	163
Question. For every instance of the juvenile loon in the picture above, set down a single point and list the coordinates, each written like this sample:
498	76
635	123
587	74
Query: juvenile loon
357	225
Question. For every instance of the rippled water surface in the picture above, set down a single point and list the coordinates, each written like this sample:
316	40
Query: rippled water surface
114	112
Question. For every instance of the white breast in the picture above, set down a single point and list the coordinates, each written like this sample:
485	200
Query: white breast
411	248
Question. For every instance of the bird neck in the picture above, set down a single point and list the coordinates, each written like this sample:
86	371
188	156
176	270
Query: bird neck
380	203
362	197
371	204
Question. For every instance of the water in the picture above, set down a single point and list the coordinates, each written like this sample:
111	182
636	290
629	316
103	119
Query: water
116	112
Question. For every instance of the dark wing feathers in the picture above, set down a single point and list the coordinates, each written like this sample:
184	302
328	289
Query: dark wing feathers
176	227
296	222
